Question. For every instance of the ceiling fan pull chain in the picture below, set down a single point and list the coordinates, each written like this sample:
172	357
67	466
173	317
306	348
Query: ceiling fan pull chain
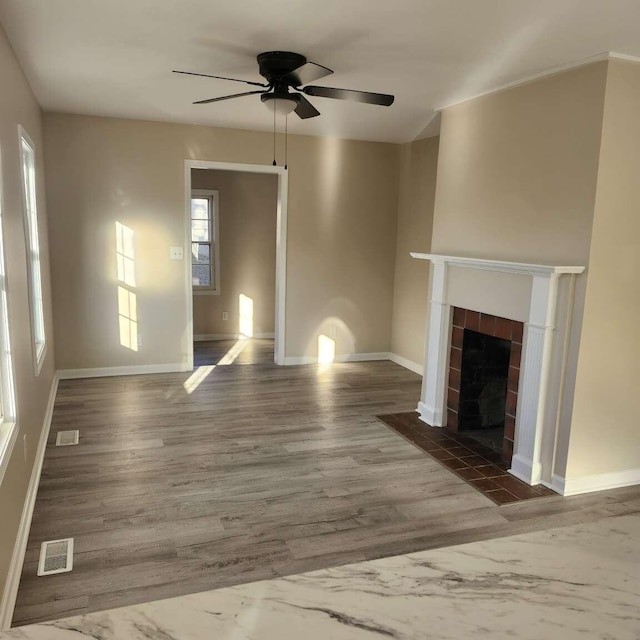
274	138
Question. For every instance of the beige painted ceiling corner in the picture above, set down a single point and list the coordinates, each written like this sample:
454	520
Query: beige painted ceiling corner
115	58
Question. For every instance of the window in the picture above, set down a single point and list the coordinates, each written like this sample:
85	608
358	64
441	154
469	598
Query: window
28	155
205	250
8	430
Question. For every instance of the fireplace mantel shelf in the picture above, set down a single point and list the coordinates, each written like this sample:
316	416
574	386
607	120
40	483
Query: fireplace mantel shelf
498	265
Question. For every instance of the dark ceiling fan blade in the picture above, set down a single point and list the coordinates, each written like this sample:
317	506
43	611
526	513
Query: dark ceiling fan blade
206	75
305	109
235	95
366	97
308	72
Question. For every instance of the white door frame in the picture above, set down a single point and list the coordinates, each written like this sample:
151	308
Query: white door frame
281	246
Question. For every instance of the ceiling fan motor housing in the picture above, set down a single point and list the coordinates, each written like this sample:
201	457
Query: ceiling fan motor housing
275	64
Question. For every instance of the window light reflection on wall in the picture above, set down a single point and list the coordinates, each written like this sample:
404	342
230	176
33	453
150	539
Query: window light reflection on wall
125	255
326	349
246	316
127	299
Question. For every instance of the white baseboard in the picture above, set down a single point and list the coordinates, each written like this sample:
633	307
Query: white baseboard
407	364
205	337
525	470
20	546
135	370
429	415
597	482
342	357
556	484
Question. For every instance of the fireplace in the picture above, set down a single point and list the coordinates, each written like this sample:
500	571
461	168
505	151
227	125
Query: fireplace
533	304
484	373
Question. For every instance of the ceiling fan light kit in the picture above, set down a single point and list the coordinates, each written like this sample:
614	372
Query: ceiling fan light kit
285	71
280	104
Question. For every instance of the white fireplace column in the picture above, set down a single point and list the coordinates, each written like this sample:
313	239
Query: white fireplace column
432	406
535	366
535	370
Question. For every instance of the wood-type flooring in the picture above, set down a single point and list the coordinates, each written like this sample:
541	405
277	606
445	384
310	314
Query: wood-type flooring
238	472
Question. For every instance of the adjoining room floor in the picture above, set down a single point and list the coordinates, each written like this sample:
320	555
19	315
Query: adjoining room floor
194	481
213	352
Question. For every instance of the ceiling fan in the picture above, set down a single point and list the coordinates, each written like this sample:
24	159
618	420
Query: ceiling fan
285	71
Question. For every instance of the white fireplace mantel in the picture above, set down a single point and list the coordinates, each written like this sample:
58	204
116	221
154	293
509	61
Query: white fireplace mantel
536	358
519	268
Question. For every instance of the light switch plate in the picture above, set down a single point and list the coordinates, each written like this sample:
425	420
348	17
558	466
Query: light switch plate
176	253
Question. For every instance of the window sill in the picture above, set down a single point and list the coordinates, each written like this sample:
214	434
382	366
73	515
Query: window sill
8	437
205	292
41	354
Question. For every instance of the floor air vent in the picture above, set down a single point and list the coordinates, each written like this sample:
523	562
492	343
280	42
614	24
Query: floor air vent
66	438
56	556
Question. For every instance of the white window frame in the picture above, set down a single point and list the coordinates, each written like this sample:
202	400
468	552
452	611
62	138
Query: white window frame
34	266
214	225
8	421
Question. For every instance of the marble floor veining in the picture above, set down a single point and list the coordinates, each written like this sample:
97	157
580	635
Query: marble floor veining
580	582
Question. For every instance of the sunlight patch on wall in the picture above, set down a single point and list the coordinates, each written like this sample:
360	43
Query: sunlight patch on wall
197	378
333	336
326	349
128	318
127	299
125	255
246	316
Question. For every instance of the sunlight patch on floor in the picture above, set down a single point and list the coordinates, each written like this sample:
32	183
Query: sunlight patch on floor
197	378
234	352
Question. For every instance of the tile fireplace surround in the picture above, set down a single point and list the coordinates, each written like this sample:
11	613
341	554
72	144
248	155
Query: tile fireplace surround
540	370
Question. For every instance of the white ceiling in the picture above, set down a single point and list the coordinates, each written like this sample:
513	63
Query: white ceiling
114	57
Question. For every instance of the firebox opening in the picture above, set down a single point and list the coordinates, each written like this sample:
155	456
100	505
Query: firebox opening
483	388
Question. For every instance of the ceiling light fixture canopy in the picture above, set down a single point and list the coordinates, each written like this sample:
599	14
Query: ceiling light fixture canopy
280	103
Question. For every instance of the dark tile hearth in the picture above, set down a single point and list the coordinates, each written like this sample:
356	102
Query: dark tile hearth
479	465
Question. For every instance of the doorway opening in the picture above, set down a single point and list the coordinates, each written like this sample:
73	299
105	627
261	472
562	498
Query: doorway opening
235	264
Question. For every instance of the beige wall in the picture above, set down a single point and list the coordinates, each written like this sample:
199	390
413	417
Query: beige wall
247	226
517	171
605	432
517	175
18	106
418	165
341	234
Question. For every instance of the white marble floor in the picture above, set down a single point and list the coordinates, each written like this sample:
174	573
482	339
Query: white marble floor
580	581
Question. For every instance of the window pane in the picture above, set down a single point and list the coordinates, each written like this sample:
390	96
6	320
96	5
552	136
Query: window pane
201	274
7	399
200	253
199	208
31	213
200	230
